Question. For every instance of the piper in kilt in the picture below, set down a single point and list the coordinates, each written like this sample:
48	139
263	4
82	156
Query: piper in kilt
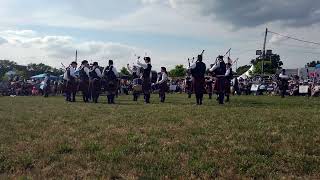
84	73
95	82
198	71
110	75
70	84
220	82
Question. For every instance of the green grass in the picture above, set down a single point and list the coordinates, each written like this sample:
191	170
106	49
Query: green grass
252	137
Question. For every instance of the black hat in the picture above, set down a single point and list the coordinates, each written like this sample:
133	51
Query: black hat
200	57
75	63
84	62
110	62
95	64
148	59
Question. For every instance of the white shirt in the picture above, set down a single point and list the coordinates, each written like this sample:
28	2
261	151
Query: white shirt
216	66
193	65
135	69
228	72
72	73
164	77
143	65
98	72
86	70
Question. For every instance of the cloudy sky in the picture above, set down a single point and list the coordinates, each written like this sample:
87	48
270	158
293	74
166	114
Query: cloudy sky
169	31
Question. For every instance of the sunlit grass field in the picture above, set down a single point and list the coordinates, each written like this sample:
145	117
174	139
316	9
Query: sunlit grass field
251	137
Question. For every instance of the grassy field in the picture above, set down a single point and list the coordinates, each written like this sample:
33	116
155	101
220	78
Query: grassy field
252	137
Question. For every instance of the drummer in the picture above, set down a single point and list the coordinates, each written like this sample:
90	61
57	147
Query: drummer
135	72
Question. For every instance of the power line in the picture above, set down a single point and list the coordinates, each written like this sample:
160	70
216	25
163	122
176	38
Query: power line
293	38
293	45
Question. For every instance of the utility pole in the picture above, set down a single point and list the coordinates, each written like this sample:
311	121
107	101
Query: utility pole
264	49
76	56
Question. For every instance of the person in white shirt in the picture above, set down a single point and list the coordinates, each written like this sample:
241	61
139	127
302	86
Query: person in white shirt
134	71
95	83
70	83
84	73
163	86
111	74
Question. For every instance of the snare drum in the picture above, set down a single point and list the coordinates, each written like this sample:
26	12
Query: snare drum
155	87
137	85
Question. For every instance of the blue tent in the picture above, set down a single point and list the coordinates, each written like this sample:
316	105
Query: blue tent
318	66
42	76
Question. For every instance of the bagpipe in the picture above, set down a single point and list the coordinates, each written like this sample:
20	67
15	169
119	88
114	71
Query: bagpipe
200	58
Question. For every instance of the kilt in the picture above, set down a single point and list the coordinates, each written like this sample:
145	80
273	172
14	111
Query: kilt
220	85
146	86
163	87
96	85
111	86
198	85
228	86
84	85
70	86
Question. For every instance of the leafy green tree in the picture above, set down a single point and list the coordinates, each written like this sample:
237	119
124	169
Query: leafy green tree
124	71
271	64
5	66
242	69
178	71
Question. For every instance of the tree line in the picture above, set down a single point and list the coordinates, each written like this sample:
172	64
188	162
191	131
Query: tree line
25	72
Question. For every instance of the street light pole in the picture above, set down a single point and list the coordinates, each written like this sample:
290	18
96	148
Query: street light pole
264	49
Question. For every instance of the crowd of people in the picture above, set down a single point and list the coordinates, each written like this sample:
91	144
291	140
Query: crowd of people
92	80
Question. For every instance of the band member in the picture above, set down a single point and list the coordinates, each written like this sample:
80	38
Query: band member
229	77
70	83
198	71
146	86
188	85
283	82
220	70
111	74
209	86
135	73
84	73
163	86
95	82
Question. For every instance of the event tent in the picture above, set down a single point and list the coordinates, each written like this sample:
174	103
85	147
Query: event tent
42	76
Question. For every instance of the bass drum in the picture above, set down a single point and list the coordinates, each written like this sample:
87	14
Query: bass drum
137	85
154	76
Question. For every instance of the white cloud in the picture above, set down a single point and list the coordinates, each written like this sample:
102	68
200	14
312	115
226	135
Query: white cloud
56	49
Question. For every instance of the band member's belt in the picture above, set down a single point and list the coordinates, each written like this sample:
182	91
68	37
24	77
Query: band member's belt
221	76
